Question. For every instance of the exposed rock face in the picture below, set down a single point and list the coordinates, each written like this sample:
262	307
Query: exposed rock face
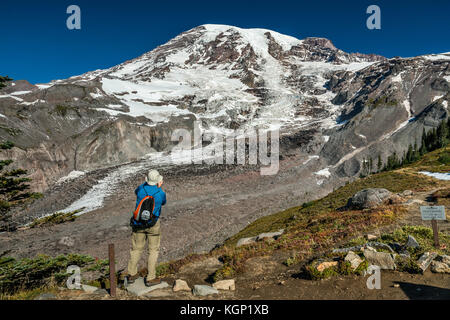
369	198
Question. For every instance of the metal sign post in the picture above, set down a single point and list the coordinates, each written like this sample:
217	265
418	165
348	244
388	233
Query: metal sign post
433	213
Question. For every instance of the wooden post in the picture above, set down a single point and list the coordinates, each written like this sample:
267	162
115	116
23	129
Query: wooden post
435	233
112	271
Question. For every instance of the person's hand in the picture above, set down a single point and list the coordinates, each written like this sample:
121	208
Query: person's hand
160	184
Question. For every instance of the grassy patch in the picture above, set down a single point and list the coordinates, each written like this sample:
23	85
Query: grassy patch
434	161
423	235
56	218
394	181
28	294
311	232
320	224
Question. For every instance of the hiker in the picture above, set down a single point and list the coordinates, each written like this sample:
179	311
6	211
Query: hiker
150	197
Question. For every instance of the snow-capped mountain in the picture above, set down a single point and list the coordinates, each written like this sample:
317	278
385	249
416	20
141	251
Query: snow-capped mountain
227	78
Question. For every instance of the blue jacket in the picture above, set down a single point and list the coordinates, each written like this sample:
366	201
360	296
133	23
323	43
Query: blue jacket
157	193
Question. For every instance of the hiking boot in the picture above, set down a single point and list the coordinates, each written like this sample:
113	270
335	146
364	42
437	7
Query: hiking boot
149	283
131	279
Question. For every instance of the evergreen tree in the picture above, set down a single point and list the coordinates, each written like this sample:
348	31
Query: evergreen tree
13	188
3	81
380	163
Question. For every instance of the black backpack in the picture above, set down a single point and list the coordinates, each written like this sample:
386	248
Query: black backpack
143	217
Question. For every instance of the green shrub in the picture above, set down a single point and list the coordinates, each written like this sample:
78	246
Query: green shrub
444	158
27	274
56	218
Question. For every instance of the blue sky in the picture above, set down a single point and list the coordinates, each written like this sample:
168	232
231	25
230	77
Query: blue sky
37	46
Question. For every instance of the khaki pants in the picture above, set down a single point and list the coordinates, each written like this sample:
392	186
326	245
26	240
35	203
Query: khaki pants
153	236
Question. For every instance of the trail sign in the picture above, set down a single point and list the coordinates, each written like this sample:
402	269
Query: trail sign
433	213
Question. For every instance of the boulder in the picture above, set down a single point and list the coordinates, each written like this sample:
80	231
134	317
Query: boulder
325	265
273	235
138	288
245	241
445	259
412	242
369	198
354	259
159	293
440	267
425	260
203	290
180	285
406	193
225	285
382	259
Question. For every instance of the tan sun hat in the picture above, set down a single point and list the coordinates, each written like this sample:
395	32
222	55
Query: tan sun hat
153	177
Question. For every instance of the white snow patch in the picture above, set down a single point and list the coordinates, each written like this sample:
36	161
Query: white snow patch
310	158
437	97
33	102
397	78
434	57
43	85
324	172
10	96
438	175
72	175
18	93
96	94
